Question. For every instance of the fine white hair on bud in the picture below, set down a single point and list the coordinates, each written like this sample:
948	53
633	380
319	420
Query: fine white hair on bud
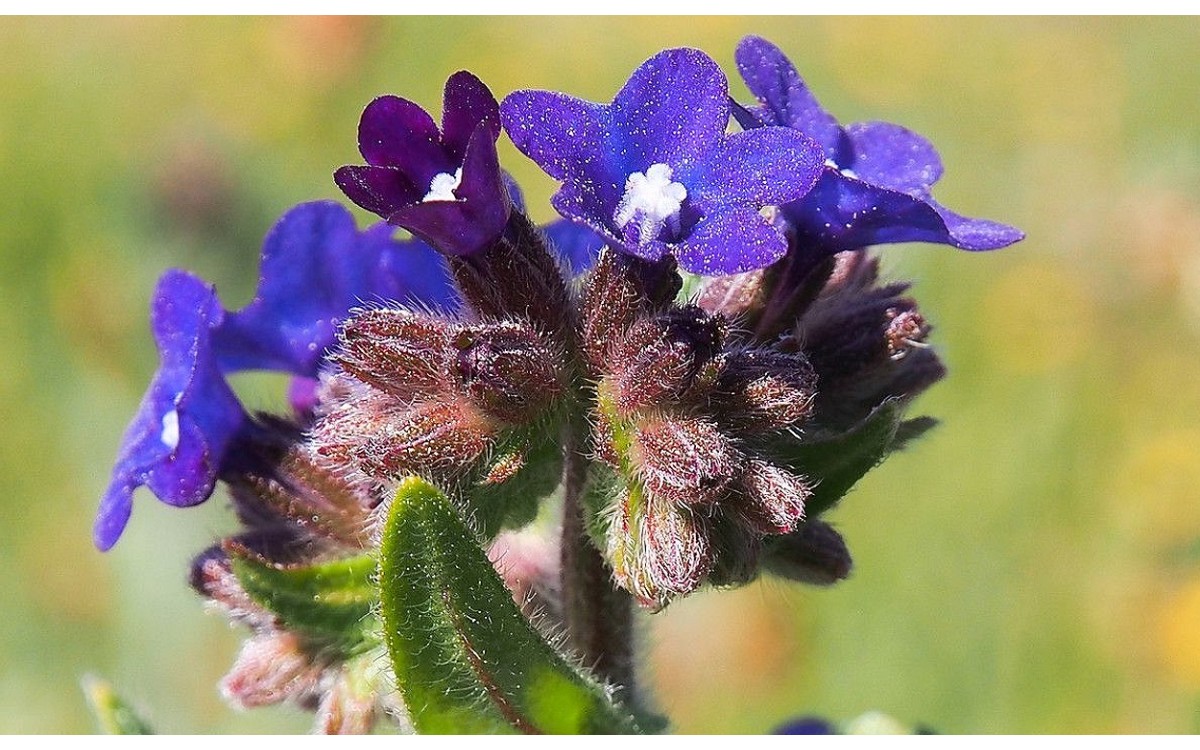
443	185
653	199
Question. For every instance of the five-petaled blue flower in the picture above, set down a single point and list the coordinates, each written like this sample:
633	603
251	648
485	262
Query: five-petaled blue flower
656	174
445	187
315	268
875	187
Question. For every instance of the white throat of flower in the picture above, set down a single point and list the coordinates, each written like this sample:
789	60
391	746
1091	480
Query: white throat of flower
848	172
170	430
443	185
653	200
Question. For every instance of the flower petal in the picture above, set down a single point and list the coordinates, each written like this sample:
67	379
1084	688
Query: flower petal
315	267
783	97
731	239
766	166
976	234
395	132
672	110
478	217
893	157
188	416
578	245
563	135
380	190
466	103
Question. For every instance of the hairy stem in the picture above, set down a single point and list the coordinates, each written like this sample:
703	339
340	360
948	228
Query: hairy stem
599	616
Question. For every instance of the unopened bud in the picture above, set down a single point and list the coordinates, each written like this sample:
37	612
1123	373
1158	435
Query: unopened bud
508	370
814	553
685	460
906	330
736	552
764	389
271	668
404	353
772	499
676	550
348	706
619	289
737	296
384	439
659	358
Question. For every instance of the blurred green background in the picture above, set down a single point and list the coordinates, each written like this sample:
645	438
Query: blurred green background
1033	566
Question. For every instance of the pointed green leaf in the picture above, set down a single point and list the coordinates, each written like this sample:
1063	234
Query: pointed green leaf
112	713
836	463
466	660
514	502
332	601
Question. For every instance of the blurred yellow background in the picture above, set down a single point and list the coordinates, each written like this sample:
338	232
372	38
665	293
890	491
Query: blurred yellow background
1032	566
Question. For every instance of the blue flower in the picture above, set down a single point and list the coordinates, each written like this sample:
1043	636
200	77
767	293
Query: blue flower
315	267
187	418
655	173
443	186
876	183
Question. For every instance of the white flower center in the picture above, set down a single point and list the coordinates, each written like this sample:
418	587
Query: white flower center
170	430
653	200
443	185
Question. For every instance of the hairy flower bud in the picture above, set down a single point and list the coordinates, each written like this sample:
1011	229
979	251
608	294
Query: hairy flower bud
814	553
385	440
765	389
508	370
404	353
659	358
686	461
619	289
676	550
736	296
772	499
271	668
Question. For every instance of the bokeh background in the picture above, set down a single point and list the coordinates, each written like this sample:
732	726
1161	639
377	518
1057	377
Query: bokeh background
1032	566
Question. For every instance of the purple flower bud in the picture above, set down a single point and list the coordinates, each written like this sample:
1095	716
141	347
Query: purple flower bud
772	499
814	553
617	291
659	358
765	389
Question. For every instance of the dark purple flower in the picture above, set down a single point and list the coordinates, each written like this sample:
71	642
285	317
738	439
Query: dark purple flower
315	267
443	186
655	173
875	187
188	417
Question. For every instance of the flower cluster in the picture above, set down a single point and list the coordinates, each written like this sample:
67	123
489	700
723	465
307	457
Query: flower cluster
691	439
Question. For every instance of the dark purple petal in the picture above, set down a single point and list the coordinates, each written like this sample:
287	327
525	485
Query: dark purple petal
806	725
843	213
188	417
578	245
674	107
728	240
395	132
783	97
564	136
893	157
586	208
315	267
466	103
381	190
767	166
478	217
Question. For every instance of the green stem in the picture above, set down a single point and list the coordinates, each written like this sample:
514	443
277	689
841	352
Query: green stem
598	615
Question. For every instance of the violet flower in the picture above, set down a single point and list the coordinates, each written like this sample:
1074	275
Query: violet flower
654	172
188	417
315	267
443	186
875	186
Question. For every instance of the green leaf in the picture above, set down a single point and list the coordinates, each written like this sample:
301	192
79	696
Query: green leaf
514	502
112	713
332	602
836	463
466	660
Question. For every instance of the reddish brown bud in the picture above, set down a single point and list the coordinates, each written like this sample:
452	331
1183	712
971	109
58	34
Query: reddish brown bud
676	550
685	461
766	389
659	359
384	439
736	549
772	499
619	289
508	370
348	706
271	668
906	329
813	553
404	353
